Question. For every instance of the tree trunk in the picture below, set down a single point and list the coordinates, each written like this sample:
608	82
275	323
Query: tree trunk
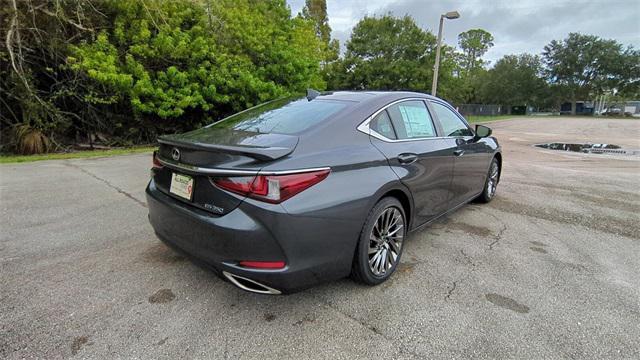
573	107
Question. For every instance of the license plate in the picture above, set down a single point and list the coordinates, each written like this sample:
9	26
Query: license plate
181	185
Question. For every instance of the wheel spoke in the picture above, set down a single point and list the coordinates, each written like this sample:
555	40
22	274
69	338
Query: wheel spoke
397	239
395	231
387	220
394	255
374	260
395	246
383	262
375	239
396	218
378	262
376	228
390	260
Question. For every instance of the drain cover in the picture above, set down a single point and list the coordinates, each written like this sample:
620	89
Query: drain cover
589	148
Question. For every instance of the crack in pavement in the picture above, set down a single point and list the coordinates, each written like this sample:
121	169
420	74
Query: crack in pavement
451	290
498	236
373	329
467	258
106	182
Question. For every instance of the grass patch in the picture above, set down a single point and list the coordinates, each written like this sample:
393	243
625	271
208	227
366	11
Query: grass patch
616	117
4	159
488	118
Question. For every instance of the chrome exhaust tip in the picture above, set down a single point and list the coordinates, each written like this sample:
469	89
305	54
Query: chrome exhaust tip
250	285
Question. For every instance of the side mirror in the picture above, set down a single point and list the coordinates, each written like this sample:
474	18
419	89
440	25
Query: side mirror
482	132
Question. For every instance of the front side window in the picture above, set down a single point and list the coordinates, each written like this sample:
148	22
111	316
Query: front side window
411	120
452	125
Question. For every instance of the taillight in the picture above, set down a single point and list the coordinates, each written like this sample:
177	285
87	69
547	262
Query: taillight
271	188
156	163
239	185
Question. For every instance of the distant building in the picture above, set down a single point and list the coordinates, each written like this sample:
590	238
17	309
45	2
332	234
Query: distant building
582	108
632	107
629	108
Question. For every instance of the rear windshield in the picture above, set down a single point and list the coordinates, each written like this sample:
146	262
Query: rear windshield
284	116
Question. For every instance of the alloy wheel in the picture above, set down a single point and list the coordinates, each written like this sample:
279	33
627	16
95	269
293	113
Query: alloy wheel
385	241
492	182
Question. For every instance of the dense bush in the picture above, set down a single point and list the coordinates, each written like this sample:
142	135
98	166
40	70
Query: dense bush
133	69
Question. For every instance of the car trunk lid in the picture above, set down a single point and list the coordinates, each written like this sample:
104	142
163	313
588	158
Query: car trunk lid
215	147
207	152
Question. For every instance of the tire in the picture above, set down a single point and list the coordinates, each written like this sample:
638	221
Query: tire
490	185
386	217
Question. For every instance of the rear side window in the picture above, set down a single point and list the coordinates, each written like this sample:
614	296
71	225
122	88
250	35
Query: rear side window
411	120
284	116
382	125
451	123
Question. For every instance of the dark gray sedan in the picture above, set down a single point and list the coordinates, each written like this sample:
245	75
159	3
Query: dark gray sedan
304	190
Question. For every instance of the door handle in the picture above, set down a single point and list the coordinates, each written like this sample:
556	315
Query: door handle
407	158
458	152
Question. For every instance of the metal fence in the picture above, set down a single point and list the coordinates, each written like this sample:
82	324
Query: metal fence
480	109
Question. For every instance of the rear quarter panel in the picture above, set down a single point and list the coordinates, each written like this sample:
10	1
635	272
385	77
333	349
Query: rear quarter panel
326	219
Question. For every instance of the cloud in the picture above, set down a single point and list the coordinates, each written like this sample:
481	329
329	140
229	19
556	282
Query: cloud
517	26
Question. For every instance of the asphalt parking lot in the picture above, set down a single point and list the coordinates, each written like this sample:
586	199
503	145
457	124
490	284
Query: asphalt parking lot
549	269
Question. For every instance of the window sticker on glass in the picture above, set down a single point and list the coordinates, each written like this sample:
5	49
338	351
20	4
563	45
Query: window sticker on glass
415	121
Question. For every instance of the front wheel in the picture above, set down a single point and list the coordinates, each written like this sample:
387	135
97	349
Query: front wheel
381	242
492	182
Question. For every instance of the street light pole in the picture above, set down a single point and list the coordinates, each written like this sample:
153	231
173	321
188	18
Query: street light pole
436	67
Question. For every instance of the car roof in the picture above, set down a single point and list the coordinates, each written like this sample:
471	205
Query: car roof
361	104
369	96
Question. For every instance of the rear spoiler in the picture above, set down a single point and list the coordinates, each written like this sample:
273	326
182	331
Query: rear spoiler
263	153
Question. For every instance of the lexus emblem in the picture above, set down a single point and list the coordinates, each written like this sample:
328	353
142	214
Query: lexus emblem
175	154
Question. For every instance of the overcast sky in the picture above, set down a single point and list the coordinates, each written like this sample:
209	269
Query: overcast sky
517	26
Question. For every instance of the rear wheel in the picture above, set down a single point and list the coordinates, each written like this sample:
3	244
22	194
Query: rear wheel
381	242
492	182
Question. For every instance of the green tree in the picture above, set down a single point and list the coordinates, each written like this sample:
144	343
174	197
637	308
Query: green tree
316	11
626	80
586	65
474	44
178	64
515	80
455	84
468	70
387	53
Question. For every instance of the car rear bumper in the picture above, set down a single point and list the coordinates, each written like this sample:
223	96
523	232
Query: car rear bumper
253	233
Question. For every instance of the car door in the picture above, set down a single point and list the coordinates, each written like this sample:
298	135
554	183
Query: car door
405	133
471	157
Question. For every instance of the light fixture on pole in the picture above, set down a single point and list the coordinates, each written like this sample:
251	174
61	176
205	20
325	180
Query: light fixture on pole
450	15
